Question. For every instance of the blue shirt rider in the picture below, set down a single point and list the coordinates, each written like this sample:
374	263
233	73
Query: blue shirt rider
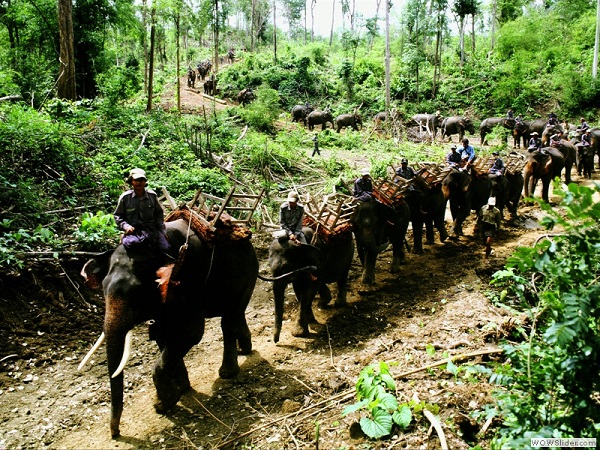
535	143
467	151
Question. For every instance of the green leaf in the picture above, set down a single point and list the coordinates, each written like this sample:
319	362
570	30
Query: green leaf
402	417
450	367
389	401
379	426
355	407
430	349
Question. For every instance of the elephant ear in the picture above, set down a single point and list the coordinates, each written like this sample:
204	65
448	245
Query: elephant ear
164	282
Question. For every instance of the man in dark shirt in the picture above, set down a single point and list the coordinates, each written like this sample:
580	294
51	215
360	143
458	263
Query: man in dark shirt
140	215
404	171
291	214
453	158
363	187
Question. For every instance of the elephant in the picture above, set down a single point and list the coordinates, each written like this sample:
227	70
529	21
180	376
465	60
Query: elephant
545	164
431	122
394	115
585	157
213	280
204	68
246	96
487	125
301	112
455	187
320	118
309	268
210	86
521	132
515	189
500	189
348	120
569	151
594	143
457	125
427	207
549	131
375	226
191	77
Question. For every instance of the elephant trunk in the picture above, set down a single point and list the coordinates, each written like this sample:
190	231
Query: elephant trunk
114	351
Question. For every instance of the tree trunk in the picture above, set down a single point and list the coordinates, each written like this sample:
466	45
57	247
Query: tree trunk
332	21
66	72
387	60
312	20
216	35
275	31
145	43
177	64
461	33
597	42
252	25
493	24
473	34
151	59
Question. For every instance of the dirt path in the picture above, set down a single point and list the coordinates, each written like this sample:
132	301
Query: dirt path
438	299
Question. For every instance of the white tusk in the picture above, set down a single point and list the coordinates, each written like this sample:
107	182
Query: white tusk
126	354
95	347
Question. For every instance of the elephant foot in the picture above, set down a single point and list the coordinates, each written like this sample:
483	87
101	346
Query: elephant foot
323	304
169	398
443	236
227	372
317	327
300	331
115	432
419	251
244	346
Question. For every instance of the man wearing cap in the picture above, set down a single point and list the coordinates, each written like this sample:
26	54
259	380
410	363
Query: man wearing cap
488	221
535	143
291	214
498	165
363	187
453	158
404	171
140	215
584	125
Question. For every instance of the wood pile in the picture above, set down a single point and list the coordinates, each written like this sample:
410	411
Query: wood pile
481	166
515	163
431	175
330	217
212	218
390	192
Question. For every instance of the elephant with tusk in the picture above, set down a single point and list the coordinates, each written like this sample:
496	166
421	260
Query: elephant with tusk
214	279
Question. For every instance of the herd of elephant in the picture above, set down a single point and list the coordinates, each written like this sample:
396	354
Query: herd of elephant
217	279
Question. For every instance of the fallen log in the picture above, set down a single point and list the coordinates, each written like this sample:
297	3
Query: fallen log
218	100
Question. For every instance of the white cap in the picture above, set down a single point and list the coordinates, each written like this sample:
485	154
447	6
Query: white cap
292	197
137	173
492	201
365	171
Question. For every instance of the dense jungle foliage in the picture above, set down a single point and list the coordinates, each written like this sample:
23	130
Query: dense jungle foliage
63	163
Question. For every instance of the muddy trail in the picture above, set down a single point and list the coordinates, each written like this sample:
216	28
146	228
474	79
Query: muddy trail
285	391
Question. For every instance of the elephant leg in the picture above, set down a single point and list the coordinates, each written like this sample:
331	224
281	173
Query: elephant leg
170	374
418	236
342	294
229	367
305	312
279	294
244	337
324	295
440	224
429	232
398	256
545	189
368	275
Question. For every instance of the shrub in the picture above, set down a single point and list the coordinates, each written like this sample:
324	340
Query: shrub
97	232
552	381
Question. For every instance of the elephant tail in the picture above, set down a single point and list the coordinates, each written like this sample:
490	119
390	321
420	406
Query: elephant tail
307	269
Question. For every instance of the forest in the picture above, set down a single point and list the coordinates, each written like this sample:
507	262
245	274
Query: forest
91	89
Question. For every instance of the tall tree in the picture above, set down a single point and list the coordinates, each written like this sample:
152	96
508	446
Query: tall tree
151	58
439	7
66	72
332	22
